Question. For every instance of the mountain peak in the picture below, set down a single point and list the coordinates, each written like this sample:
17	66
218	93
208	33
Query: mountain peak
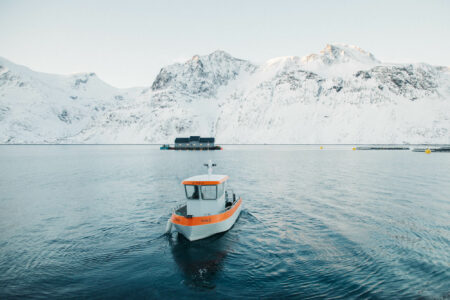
202	74
341	53
350	51
220	54
213	56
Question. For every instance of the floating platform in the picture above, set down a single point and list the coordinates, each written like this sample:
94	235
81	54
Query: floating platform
437	149
168	147
382	148
441	149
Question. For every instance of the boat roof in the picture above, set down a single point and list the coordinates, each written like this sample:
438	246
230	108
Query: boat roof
205	179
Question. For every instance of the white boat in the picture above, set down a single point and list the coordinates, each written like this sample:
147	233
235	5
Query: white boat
210	207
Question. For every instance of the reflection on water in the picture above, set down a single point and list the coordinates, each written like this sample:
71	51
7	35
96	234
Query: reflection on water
200	261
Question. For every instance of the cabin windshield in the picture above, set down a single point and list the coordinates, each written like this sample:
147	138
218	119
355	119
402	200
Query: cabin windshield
192	192
209	192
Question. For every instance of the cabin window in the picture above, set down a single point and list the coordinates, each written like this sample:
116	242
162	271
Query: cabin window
220	189
209	192
192	192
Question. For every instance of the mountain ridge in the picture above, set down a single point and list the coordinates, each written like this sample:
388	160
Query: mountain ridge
343	94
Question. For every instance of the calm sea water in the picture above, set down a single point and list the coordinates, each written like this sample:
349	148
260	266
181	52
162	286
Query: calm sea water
88	221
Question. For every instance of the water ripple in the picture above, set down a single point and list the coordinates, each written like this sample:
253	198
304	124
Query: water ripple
88	222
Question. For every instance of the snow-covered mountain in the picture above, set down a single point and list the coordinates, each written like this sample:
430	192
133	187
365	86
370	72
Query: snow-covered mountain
341	95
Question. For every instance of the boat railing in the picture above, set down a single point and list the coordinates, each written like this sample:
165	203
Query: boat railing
230	196
232	205
178	207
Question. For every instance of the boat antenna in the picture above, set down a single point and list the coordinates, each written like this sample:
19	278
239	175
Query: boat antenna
210	165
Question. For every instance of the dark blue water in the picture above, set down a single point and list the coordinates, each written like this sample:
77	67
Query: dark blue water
88	221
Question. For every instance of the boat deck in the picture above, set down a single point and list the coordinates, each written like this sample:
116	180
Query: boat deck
182	210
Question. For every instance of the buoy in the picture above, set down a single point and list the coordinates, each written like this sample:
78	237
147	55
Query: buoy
168	226
321	147
428	151
354	148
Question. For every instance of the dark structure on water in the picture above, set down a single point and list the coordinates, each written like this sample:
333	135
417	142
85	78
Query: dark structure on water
193	143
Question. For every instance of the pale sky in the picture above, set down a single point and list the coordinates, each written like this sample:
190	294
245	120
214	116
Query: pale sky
127	42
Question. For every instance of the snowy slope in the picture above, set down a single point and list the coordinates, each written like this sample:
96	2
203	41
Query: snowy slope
45	108
341	95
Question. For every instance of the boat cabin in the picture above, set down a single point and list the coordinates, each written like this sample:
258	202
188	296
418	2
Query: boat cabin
205	194
194	143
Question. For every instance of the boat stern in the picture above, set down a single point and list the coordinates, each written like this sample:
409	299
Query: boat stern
195	228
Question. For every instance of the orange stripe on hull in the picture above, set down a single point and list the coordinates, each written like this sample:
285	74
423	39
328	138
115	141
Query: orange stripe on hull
195	221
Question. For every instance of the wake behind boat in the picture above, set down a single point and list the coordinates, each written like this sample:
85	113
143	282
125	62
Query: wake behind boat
210	207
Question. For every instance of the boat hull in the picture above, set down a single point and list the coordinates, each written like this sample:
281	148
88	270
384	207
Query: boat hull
197	228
